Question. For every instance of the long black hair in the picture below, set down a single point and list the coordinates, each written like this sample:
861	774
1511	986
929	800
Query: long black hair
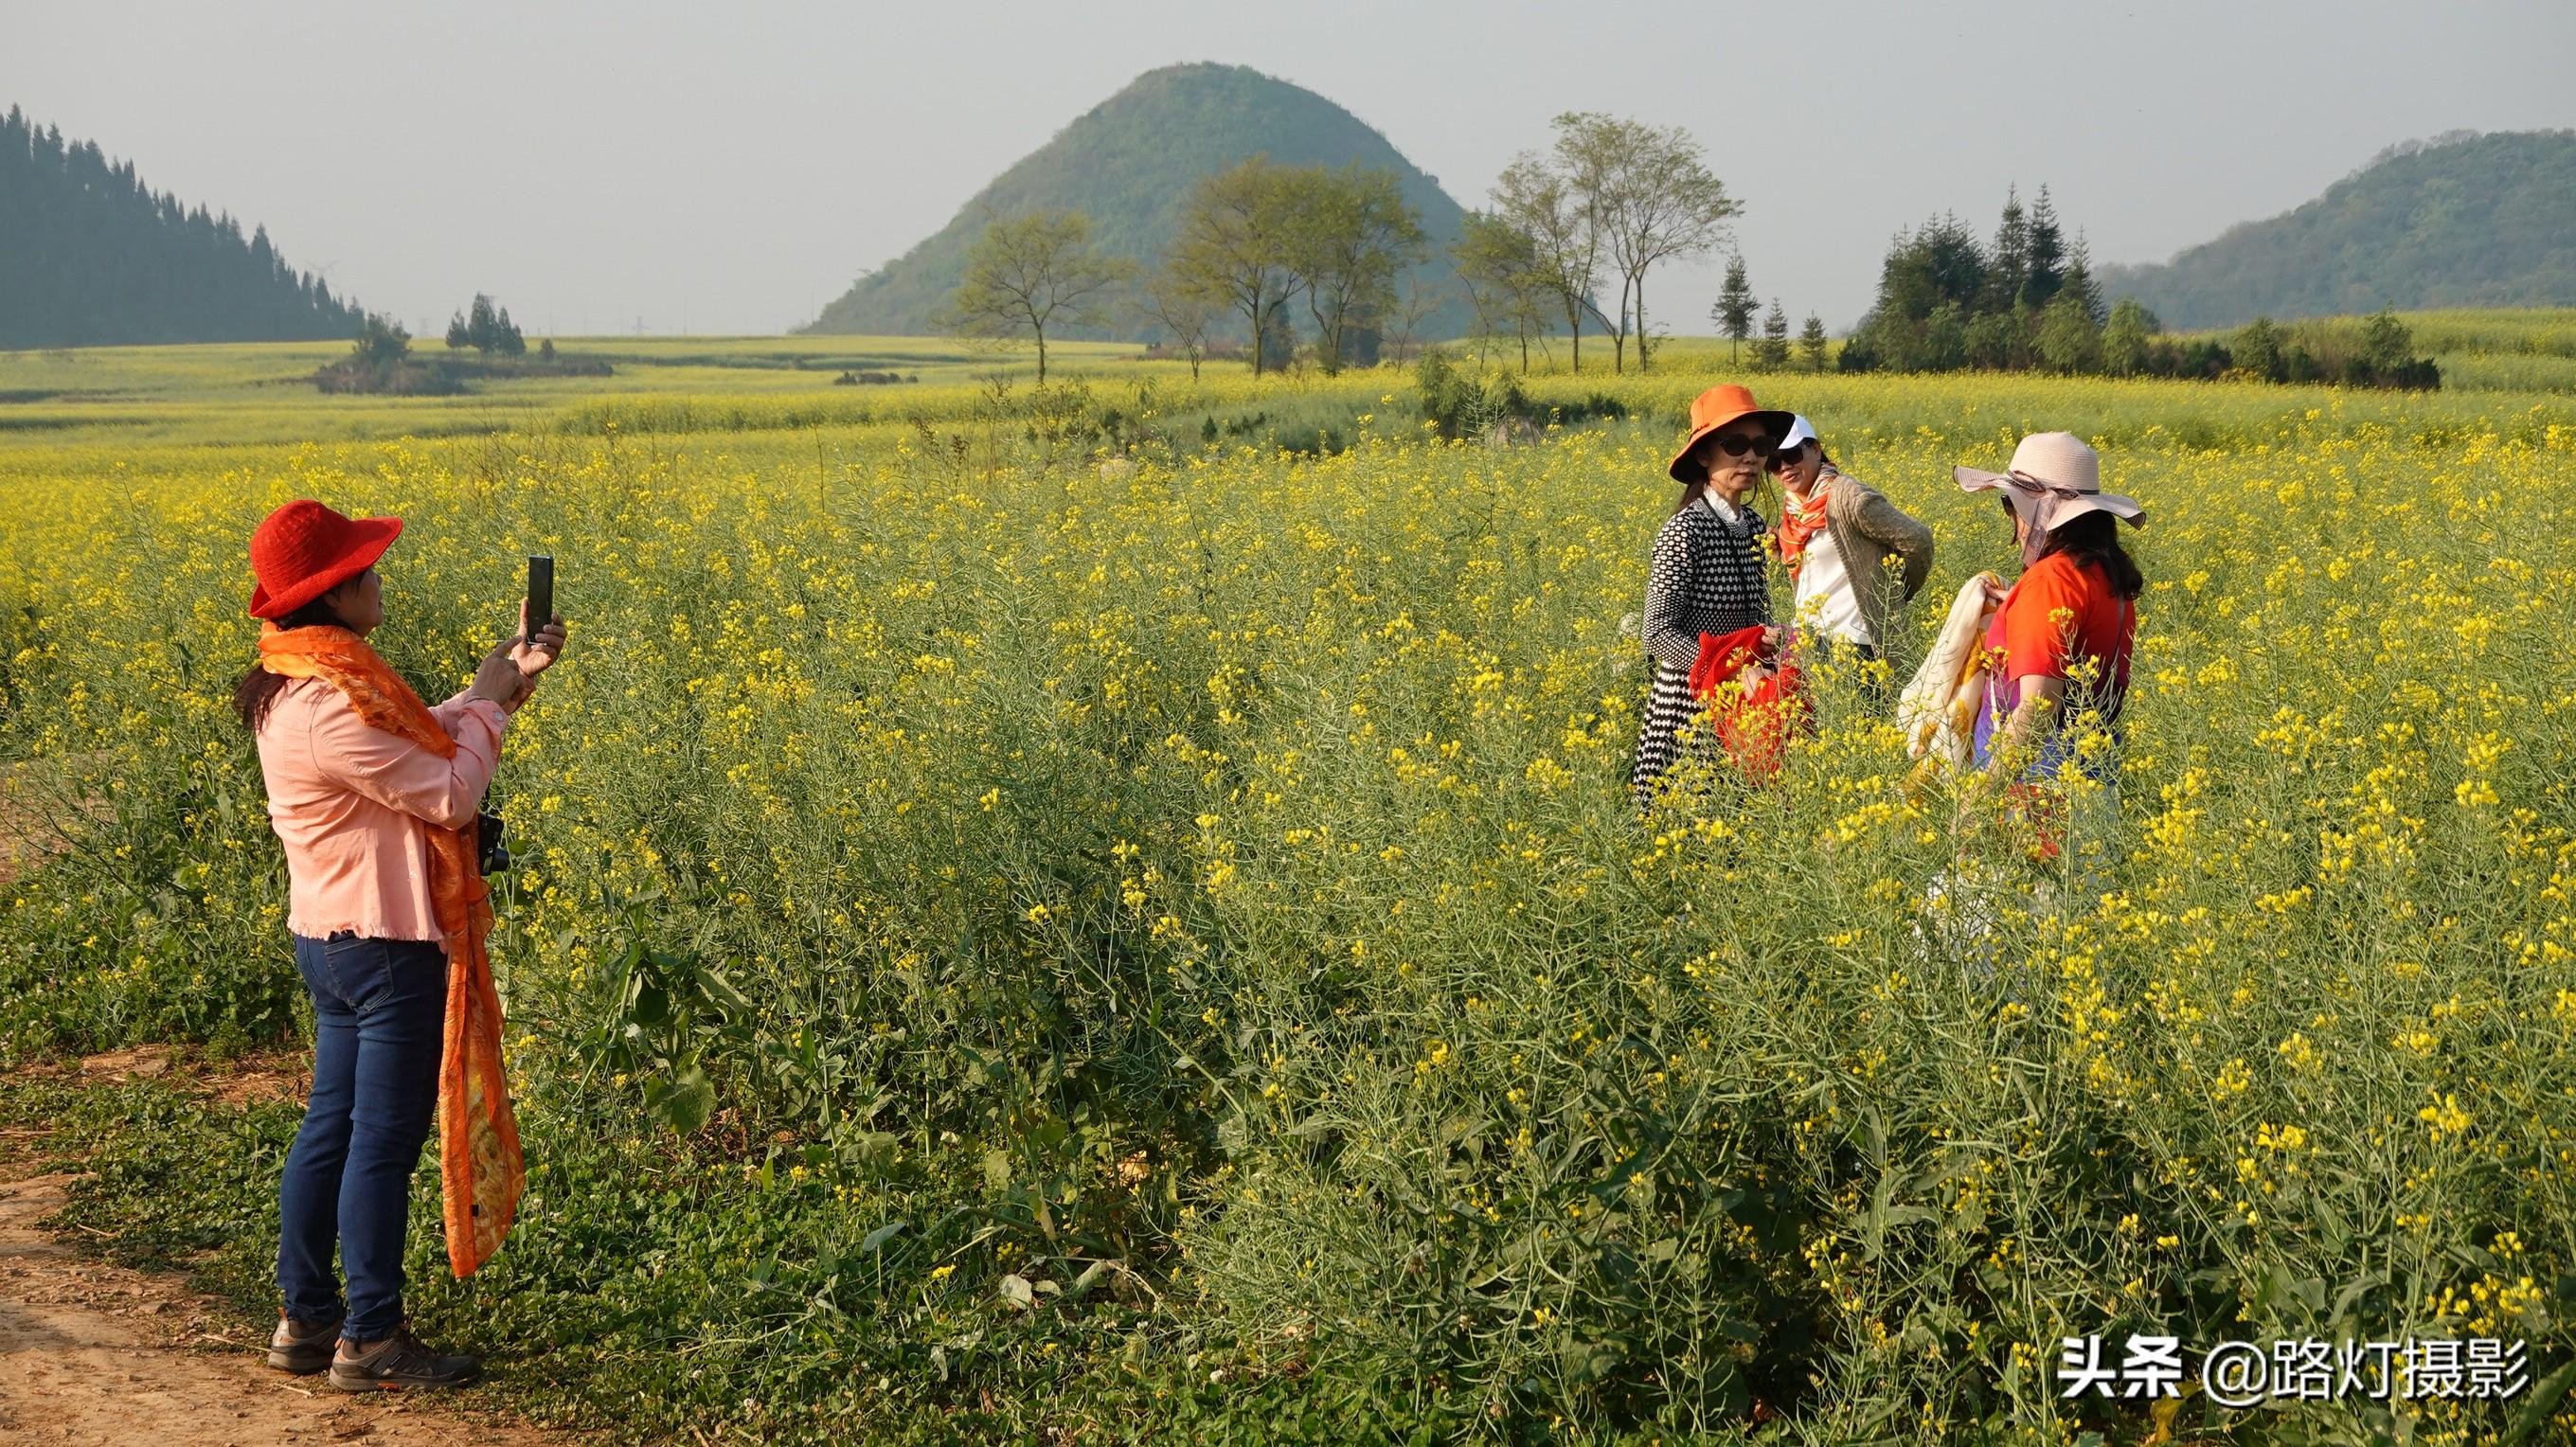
1697	460
257	692
2094	537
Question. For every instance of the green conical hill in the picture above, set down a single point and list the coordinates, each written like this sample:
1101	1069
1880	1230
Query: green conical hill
1129	162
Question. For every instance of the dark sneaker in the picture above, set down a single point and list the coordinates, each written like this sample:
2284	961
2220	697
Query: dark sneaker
397	1363
303	1347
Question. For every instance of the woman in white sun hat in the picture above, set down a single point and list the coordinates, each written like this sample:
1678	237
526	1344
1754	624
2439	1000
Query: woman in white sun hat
1856	558
2049	674
2057	649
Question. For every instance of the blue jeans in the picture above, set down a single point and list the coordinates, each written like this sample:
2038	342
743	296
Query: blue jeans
379	1019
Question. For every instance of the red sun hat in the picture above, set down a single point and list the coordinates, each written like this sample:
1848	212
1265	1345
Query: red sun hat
304	550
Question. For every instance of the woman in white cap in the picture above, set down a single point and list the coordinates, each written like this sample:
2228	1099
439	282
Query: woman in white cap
2070	618
1836	536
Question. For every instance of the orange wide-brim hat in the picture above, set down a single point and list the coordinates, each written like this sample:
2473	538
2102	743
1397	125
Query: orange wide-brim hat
304	550
1713	409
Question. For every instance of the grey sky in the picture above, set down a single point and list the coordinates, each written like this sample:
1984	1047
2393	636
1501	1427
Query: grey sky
731	168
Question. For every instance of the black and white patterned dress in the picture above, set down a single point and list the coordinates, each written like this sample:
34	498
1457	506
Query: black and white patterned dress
1708	577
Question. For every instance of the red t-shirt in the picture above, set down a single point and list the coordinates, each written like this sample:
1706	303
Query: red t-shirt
2036	643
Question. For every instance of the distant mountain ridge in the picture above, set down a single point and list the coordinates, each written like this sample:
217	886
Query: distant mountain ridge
90	256
1129	163
2464	220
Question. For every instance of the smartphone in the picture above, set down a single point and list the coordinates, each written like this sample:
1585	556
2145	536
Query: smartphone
541	594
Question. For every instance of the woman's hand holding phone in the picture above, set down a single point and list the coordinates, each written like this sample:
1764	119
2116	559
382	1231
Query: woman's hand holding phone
535	652
530	653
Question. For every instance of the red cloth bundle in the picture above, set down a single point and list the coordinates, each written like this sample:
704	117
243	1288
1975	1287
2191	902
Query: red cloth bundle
1753	723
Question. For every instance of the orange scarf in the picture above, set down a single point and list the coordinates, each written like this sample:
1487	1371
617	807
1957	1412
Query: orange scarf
1801	521
479	1168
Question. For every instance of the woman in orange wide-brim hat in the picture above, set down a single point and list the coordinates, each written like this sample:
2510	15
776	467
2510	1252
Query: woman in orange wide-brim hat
1709	570
375	796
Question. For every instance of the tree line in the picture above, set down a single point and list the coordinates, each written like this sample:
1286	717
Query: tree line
1733	314
1945	301
1270	252
486	327
91	256
381	360
2028	301
2380	352
1567	244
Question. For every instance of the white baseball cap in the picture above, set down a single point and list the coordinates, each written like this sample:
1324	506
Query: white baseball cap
1800	432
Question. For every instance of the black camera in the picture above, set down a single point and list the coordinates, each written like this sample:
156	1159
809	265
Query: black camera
490	854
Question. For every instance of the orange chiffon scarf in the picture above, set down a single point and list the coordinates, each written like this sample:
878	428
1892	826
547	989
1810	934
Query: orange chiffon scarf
479	1168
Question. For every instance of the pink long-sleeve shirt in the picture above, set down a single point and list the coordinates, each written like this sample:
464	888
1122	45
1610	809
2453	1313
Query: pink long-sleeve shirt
347	801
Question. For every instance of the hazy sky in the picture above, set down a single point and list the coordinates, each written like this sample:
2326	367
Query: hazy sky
730	168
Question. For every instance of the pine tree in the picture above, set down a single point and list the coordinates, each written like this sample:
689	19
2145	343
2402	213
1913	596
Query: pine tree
2008	266
482	325
2079	281
506	338
1734	310
487	328
2046	271
1811	340
1773	349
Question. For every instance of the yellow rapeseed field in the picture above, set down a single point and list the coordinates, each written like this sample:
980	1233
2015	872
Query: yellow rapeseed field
1217	862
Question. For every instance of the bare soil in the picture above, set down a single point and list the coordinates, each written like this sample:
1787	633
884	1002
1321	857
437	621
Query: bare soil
97	1353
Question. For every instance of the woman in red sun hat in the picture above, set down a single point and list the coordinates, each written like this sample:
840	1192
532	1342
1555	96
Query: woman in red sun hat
374	796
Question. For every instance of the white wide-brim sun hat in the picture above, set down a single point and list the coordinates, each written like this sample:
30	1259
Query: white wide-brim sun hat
2054	477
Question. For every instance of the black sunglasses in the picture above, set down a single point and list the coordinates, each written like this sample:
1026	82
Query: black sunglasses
1786	456
1739	444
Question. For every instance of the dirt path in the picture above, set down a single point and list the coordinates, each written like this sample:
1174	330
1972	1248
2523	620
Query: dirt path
95	1353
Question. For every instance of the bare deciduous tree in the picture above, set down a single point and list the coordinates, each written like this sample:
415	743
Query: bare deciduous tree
1508	289
1183	316
1650	196
1349	233
1537	200
1033	271
1233	251
1416	298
